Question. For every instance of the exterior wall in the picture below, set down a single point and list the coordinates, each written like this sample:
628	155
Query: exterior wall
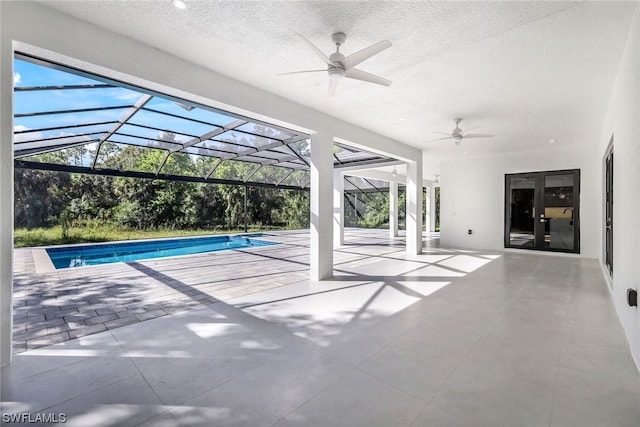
472	195
6	195
623	122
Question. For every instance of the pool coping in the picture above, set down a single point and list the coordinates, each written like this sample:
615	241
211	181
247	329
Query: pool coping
41	261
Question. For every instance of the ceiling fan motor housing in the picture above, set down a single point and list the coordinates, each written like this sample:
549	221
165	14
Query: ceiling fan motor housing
456	131
335	73
337	58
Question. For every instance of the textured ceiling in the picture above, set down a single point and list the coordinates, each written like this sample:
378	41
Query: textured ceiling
527	72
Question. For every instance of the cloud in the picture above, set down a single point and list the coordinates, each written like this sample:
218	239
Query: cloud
36	135
29	136
17	78
128	96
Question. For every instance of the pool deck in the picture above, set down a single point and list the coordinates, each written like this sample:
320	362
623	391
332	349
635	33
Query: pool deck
53	306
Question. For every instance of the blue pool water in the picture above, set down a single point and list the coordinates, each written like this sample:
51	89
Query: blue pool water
78	256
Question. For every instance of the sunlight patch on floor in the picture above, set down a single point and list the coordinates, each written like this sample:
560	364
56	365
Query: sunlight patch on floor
316	317
210	330
424	288
465	263
436	271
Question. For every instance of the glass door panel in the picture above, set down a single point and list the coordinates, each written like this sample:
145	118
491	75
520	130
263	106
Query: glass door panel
558	212
522	221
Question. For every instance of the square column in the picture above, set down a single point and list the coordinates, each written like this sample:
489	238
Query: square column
427	206
321	263
6	199
338	209
432	208
414	207
393	209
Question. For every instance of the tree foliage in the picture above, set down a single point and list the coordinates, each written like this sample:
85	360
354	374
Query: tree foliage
371	209
44	198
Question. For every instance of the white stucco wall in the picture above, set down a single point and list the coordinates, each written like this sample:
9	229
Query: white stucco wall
472	195
6	193
623	122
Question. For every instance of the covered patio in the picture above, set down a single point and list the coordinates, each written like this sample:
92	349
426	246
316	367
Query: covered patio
335	326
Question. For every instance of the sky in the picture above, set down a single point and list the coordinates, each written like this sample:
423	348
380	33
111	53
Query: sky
27	74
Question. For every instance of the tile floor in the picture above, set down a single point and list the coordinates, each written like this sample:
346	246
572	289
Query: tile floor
446	338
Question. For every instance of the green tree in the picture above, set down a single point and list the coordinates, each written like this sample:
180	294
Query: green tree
40	197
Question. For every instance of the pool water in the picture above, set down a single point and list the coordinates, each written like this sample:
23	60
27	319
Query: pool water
78	256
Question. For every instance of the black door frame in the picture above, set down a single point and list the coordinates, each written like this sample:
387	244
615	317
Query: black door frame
539	231
608	207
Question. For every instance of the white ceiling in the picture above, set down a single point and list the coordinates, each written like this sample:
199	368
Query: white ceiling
528	72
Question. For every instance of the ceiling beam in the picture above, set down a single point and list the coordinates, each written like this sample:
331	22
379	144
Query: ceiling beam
23	164
367	164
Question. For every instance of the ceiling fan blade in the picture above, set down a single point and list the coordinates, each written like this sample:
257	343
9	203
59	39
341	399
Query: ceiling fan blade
354	73
442	133
441	139
316	50
478	135
473	127
366	53
333	84
300	72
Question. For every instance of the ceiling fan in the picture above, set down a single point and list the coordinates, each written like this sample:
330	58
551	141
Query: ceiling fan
457	135
339	66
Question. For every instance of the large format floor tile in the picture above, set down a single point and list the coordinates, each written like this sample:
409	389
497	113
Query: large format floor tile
356	399
267	393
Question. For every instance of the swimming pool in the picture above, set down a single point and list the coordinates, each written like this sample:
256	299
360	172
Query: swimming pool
82	255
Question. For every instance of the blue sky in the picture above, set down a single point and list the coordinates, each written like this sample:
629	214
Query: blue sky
28	74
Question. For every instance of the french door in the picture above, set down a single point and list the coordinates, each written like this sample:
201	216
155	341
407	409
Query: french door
542	211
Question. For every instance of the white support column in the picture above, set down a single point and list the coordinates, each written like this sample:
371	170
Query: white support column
414	207
321	265
427	206
432	207
338	209
393	209
6	199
